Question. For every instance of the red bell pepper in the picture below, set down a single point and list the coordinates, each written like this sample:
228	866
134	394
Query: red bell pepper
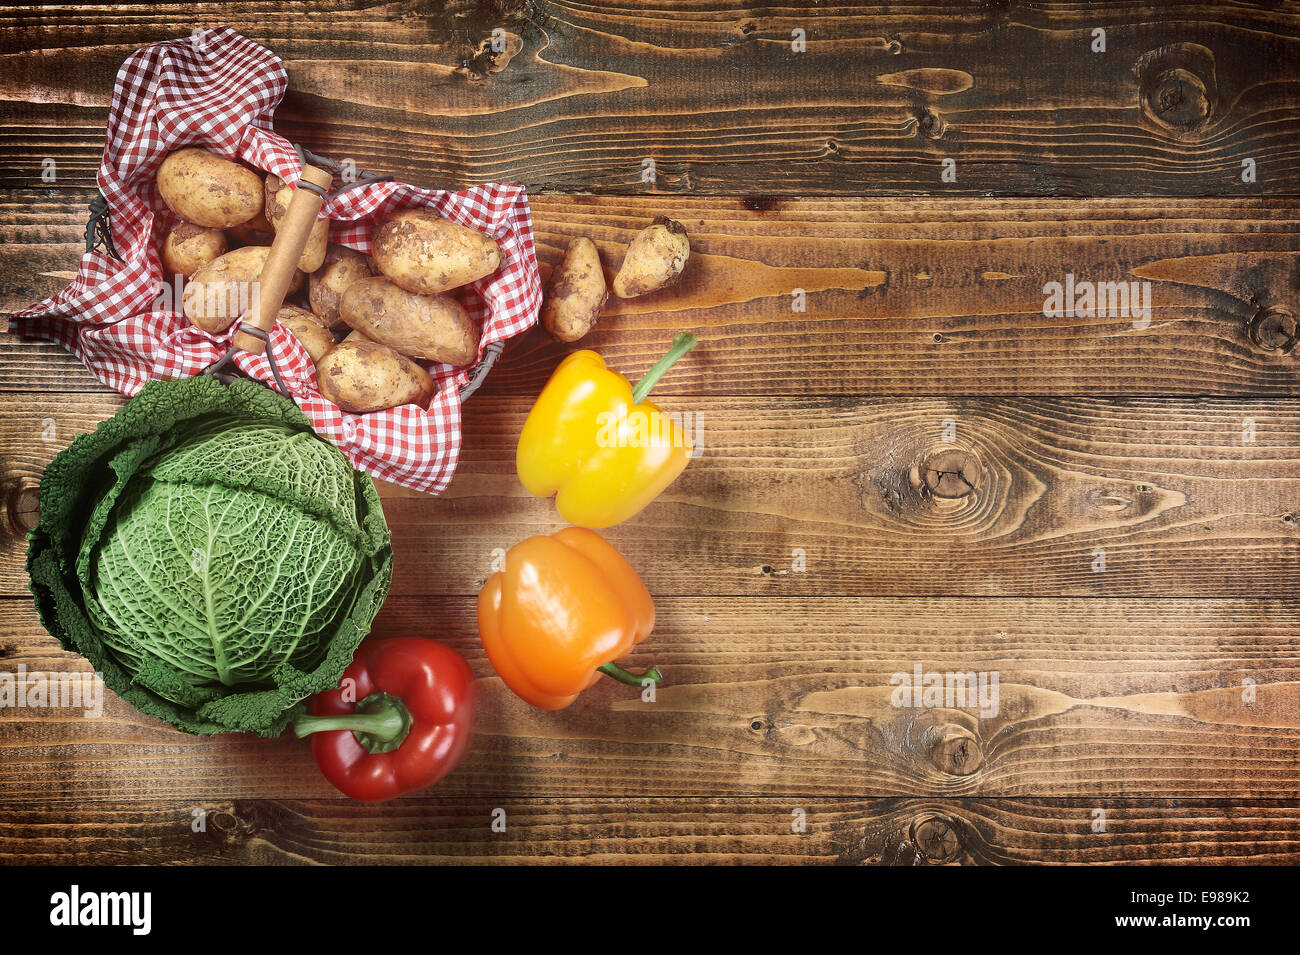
403	725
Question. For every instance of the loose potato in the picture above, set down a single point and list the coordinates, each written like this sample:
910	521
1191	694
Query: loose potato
424	253
207	190
654	258
367	376
189	247
431	327
325	289
313	255
256	231
225	288
306	327
576	292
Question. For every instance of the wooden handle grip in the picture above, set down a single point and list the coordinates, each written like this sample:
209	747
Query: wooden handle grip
291	237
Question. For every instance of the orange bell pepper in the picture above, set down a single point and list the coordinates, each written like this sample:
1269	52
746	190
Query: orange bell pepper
563	609
594	442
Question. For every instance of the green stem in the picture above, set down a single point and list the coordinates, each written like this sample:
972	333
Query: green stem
651	675
380	723
682	343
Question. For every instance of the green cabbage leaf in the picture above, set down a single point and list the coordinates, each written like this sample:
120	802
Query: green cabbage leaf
209	554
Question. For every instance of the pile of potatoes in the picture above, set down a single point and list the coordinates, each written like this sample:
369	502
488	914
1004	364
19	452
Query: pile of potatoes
367	321
577	292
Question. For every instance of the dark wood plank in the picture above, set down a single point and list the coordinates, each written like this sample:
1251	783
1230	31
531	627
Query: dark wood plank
696	831
781	696
940	296
579	95
1172	490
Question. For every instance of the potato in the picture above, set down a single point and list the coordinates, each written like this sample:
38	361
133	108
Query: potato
576	292
306	327
367	376
313	255
189	247
207	190
297	311
424	253
256	231
325	288
430	327
271	187
221	291
654	258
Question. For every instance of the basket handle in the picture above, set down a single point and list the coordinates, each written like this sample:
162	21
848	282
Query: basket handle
291	237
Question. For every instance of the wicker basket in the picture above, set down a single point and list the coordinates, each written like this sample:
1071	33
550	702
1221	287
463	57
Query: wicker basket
99	237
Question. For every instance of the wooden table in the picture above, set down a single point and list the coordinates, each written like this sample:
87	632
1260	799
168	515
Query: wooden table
1125	556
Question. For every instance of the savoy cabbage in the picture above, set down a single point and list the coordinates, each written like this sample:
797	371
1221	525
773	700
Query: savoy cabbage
210	555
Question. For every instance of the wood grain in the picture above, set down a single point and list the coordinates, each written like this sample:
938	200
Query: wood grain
790	697
831	537
1172	490
941	296
682	831
577	96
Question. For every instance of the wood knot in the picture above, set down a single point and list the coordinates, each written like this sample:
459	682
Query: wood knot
956	751
1274	329
936	838
930	124
1177	98
20	498
493	55
1177	89
948	474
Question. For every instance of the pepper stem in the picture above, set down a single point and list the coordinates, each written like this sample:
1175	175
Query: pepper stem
682	343
651	675
380	723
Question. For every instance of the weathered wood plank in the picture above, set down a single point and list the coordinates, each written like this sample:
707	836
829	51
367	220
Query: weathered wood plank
940	296
695	831
579	95
781	696
1184	497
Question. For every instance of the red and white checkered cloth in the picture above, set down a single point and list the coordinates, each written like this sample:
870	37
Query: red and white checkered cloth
218	90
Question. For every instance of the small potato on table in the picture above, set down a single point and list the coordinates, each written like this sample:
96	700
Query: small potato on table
576	292
655	259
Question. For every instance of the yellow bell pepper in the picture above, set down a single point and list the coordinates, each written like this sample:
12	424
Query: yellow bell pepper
594	442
